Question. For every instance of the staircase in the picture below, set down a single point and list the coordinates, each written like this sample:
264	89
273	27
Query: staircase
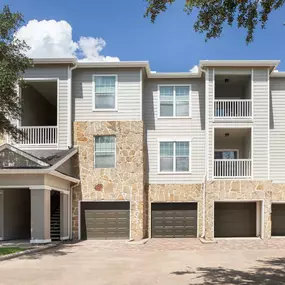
55	224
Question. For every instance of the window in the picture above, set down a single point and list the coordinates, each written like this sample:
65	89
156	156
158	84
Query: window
105	91
105	152
226	154
174	156
174	101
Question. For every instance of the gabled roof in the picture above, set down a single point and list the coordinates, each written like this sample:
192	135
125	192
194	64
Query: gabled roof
17	161
12	157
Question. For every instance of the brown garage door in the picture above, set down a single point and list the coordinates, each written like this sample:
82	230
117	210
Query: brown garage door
174	220
235	219
278	220
105	220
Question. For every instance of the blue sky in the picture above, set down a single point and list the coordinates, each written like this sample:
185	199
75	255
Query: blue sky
169	45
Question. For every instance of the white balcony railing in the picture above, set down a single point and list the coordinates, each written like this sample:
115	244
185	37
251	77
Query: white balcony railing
37	136
232	168
232	108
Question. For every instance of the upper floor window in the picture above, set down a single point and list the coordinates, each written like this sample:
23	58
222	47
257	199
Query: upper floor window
174	101
174	156
105	151
105	89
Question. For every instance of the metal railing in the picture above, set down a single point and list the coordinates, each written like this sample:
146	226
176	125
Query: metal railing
232	108
232	168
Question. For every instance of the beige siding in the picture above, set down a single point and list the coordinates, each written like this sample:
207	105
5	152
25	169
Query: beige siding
277	130
59	72
159	128
260	94
128	100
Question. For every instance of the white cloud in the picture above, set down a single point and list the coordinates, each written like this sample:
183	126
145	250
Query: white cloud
194	69
54	39
91	48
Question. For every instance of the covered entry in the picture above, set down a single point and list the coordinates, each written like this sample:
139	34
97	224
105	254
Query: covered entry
105	220
237	219
278	219
174	220
27	183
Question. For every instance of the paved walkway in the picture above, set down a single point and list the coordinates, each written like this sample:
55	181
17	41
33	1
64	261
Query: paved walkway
159	261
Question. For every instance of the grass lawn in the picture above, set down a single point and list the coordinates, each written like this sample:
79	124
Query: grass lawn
9	250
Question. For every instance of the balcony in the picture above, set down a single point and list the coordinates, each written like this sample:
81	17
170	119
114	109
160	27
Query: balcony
38	122
37	136
232	109
232	156
232	168
233	98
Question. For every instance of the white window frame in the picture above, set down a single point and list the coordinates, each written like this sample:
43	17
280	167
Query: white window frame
94	141
94	109
174	101
174	160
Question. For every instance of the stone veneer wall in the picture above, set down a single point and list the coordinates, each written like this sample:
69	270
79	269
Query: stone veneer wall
125	182
233	190
177	193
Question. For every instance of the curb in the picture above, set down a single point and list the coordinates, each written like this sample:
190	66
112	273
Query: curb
26	252
139	242
203	241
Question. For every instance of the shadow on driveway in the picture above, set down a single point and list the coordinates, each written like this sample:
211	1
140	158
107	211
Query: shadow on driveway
58	251
270	272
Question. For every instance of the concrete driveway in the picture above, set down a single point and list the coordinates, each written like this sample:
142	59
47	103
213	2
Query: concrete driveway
177	262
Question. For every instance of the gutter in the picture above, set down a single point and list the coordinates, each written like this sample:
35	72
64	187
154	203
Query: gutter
272	64
71	60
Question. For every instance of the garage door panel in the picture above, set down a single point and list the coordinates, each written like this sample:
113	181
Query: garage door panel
105	220
171	220
235	219
278	219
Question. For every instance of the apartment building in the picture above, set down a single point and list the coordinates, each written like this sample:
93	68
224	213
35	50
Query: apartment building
116	151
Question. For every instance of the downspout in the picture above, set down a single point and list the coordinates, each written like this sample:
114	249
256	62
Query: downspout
206	156
69	76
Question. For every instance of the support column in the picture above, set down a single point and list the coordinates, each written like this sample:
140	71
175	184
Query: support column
1	215
40	215
64	212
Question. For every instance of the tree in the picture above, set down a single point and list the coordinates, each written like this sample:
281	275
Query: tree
13	63
213	14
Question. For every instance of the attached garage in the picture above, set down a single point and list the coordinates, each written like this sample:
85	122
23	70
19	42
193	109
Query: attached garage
235	219
174	220
278	220
105	220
